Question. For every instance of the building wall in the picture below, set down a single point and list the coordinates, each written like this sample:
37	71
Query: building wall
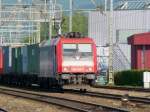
125	24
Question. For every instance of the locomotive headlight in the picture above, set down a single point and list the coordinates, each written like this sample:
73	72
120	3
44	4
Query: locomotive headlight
90	68
65	69
77	57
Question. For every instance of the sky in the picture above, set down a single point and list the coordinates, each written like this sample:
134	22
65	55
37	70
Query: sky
77	3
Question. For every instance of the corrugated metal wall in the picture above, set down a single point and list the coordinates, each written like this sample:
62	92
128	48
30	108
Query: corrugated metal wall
125	23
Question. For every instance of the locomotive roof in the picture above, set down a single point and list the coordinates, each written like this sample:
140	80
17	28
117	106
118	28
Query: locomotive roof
62	39
71	40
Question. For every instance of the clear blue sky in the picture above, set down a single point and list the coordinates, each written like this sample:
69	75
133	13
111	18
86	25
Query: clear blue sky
65	3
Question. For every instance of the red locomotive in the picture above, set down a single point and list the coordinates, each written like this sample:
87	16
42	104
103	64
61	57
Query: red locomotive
75	59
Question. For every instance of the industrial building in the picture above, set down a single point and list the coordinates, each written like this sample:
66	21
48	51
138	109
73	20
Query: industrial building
126	22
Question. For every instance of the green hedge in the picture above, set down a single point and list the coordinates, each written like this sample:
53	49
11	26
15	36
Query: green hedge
129	78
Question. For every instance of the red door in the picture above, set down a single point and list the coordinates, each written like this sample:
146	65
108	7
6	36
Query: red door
1	61
147	57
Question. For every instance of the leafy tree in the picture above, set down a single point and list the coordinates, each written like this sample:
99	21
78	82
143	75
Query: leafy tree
44	30
79	24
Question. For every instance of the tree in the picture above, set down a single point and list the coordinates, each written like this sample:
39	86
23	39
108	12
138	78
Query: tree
44	33
44	30
80	24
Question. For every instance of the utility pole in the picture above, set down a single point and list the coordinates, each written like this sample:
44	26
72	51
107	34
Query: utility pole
111	75
59	30
45	7
51	19
38	33
57	18
10	38
70	17
105	5
19	2
45	12
0	10
30	37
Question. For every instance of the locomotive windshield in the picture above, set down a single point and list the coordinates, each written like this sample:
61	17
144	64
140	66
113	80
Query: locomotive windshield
77	52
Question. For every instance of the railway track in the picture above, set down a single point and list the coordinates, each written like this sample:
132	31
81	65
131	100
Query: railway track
72	104
2	110
110	96
138	89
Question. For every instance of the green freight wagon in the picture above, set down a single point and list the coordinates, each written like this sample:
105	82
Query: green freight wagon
24	52
33	58
7	66
16	60
19	61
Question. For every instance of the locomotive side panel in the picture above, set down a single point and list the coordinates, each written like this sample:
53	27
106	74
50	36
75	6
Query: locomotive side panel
53	62
59	56
47	62
95	58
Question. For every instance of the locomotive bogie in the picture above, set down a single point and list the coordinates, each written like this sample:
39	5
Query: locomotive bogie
66	76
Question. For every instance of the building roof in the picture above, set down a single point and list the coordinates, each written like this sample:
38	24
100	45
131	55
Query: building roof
92	4
132	4
139	39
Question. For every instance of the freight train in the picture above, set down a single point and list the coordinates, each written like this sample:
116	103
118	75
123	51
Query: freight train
67	58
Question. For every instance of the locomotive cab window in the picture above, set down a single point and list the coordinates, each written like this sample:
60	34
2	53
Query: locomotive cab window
83	51
69	49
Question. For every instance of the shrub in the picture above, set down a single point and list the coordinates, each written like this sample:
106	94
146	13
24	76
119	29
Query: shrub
129	78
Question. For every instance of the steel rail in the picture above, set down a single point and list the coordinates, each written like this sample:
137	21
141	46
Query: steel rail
72	104
110	96
138	89
2	110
